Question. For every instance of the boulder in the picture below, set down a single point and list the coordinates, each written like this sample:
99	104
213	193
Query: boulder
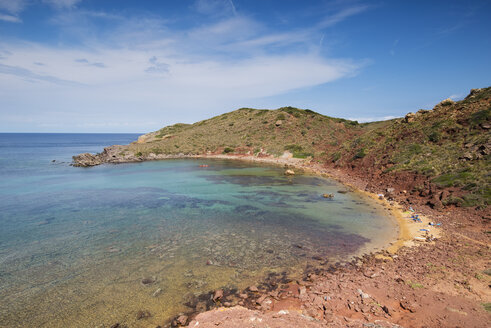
278	123
410	117
218	295
289	172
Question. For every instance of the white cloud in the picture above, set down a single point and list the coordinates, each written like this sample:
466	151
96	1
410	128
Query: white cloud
12	6
371	119
62	4
10	18
215	7
140	70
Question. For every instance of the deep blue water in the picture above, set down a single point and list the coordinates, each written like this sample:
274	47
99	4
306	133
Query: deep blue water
75	243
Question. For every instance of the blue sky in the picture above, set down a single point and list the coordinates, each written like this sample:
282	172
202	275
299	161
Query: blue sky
135	66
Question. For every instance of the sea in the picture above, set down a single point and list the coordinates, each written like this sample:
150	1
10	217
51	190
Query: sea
96	246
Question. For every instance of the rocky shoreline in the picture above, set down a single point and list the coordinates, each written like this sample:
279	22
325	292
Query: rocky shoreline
442	283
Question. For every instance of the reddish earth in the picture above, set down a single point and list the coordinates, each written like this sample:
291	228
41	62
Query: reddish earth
442	284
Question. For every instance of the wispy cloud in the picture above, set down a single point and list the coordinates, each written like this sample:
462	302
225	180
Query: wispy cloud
12	6
28	75
10	18
85	61
62	4
10	10
215	7
157	66
341	15
372	119
213	67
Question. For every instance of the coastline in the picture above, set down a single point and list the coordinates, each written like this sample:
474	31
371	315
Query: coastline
351	294
407	231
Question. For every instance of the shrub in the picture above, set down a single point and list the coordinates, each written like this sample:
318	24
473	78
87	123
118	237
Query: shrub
434	136
360	153
335	156
481	116
281	117
228	150
302	155
294	148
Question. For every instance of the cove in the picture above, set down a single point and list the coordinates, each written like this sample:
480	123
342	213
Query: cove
84	247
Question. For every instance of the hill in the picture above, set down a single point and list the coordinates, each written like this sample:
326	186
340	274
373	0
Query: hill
441	154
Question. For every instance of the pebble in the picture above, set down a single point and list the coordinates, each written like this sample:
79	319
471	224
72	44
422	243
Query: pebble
253	289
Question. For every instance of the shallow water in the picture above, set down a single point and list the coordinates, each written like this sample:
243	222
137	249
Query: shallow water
76	243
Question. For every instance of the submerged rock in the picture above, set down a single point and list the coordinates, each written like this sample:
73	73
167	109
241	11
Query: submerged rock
147	281
142	314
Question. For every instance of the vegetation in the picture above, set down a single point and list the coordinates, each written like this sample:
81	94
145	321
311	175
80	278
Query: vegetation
449	145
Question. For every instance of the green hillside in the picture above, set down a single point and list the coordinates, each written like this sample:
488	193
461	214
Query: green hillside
302	132
448	146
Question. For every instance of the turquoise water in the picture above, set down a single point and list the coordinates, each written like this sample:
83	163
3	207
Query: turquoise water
87	247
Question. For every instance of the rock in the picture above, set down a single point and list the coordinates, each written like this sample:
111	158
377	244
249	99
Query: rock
362	294
86	159
278	123
289	172
410	117
253	289
147	281
218	295
142	315
444	195
330	196
182	320
385	309
209	262
342	191
466	156
390	190
473	93
435	203
406	305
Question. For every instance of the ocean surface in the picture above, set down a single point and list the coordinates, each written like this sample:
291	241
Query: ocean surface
90	247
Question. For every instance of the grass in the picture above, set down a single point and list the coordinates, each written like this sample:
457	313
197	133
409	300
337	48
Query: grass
432	145
414	285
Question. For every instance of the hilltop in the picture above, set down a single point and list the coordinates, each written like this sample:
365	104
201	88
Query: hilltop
441	155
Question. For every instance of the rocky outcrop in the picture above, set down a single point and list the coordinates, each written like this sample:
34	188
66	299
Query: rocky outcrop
112	154
87	159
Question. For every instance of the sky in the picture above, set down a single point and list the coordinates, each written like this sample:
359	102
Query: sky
136	66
